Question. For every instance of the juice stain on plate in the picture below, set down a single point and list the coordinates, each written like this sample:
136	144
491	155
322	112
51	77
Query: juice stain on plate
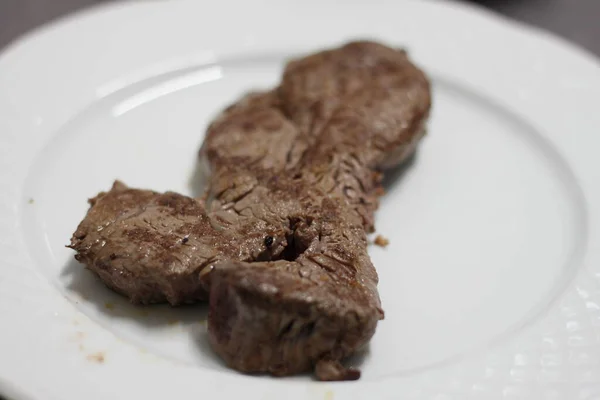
318	391
96	357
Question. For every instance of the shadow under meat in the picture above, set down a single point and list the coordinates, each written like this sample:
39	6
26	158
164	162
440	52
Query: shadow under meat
357	359
394	176
191	320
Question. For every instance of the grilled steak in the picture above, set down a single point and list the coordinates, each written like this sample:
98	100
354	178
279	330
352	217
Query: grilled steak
279	241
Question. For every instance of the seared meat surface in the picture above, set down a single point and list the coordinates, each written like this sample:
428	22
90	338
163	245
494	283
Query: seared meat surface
156	247
278	243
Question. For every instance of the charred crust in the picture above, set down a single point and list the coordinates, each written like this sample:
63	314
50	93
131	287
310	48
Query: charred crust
269	241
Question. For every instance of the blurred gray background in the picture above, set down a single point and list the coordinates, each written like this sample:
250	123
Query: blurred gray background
576	20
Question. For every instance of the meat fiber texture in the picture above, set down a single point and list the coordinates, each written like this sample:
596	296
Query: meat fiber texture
278	243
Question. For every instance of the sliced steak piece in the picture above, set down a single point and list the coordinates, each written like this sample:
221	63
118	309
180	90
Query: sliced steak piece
153	247
315	87
130	239
309	311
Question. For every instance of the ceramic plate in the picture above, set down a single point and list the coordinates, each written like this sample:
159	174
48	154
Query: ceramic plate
491	279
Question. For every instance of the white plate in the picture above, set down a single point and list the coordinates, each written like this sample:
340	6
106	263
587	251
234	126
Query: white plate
491	283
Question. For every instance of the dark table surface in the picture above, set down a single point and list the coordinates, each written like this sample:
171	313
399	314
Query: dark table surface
575	20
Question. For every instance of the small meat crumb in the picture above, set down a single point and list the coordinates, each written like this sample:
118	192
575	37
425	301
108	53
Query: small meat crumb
381	241
96	357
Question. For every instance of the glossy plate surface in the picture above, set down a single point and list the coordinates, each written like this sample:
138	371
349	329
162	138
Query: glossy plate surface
490	282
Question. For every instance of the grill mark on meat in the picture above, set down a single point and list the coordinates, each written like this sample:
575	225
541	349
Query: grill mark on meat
297	164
